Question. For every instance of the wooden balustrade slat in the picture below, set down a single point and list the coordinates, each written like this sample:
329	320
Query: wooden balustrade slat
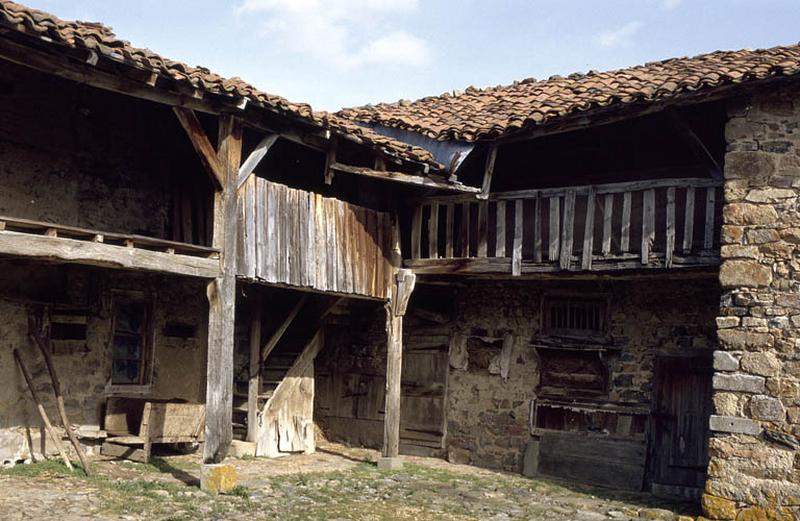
588	233
433	232
688	223
516	254
670	242
608	209
555	229
500	237
416	233
711	199
537	230
567	231
448	246
483	228
625	233
465	216
648	224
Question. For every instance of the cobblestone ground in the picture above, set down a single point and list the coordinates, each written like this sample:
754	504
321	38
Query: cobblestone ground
336	483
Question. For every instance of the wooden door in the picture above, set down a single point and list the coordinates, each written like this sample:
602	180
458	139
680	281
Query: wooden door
679	431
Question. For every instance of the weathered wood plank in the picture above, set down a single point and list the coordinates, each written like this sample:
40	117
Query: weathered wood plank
588	233
567	230
516	251
254	380
608	211
488	172
400	177
625	233
205	150
450	216
688	223
500	237
465	218
670	235
537	230
416	232
255	157
711	200
483	228
433	232
648	224
555	229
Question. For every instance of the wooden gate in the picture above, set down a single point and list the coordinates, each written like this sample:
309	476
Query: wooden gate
680	429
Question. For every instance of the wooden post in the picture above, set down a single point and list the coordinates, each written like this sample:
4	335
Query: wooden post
221	294
254	383
395	309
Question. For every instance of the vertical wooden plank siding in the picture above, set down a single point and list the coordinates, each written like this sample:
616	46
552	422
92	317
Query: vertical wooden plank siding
433	232
306	240
588	233
711	200
465	215
516	253
688	223
448	247
608	211
537	230
500	238
554	233
625	235
567	230
648	224
670	242
483	228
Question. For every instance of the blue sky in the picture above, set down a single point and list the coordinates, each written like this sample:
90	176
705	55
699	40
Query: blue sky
335	53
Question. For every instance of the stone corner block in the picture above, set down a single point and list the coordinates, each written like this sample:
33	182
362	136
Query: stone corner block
744	383
744	273
734	425
390	464
218	478
718	508
725	361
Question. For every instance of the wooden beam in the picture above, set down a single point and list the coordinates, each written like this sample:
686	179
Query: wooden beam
567	230
254	380
516	248
221	293
688	222
588	234
330	160
267	348
399	177
670	236
197	136
648	224
255	158
488	172
73	251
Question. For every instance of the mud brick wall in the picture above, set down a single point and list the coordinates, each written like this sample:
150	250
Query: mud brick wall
754	471
178	362
488	417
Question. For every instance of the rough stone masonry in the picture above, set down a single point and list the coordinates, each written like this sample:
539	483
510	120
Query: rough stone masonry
754	471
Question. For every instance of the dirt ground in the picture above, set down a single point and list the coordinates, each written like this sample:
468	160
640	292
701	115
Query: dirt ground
335	483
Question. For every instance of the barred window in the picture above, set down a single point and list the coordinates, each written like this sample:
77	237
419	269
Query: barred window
574	316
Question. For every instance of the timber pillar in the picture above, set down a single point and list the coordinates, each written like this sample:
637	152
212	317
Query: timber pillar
395	310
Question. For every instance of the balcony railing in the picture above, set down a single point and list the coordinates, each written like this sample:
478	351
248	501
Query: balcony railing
666	223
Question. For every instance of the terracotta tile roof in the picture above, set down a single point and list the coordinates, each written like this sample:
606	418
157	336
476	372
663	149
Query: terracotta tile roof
491	112
101	39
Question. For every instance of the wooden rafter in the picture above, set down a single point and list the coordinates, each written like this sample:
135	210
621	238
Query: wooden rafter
400	177
255	158
488	173
202	145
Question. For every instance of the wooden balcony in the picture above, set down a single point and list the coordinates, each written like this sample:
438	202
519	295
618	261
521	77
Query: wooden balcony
23	238
300	239
668	223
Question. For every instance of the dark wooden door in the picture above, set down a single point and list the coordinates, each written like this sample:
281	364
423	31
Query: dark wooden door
680	432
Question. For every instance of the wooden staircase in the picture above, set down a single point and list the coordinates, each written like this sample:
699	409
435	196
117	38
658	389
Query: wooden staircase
282	347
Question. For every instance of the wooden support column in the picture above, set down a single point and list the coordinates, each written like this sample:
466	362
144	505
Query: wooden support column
395	309
254	382
221	294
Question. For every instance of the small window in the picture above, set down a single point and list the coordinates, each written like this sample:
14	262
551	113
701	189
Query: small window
131	340
574	317
67	330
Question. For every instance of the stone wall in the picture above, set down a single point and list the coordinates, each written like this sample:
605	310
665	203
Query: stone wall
755	464
178	362
488	416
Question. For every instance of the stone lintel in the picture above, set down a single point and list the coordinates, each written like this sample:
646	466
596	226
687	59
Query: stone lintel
734	425
739	382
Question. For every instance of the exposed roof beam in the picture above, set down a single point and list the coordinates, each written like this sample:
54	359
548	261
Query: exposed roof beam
255	158
488	172
203	147
400	177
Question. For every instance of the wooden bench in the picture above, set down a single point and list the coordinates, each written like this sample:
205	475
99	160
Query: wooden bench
158	422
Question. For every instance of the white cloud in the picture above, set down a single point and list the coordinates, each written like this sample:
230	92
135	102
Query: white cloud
620	36
343	33
669	5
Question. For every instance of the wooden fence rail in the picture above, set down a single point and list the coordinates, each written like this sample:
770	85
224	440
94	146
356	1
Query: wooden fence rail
298	238
661	223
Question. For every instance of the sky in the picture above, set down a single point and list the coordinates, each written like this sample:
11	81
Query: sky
341	53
